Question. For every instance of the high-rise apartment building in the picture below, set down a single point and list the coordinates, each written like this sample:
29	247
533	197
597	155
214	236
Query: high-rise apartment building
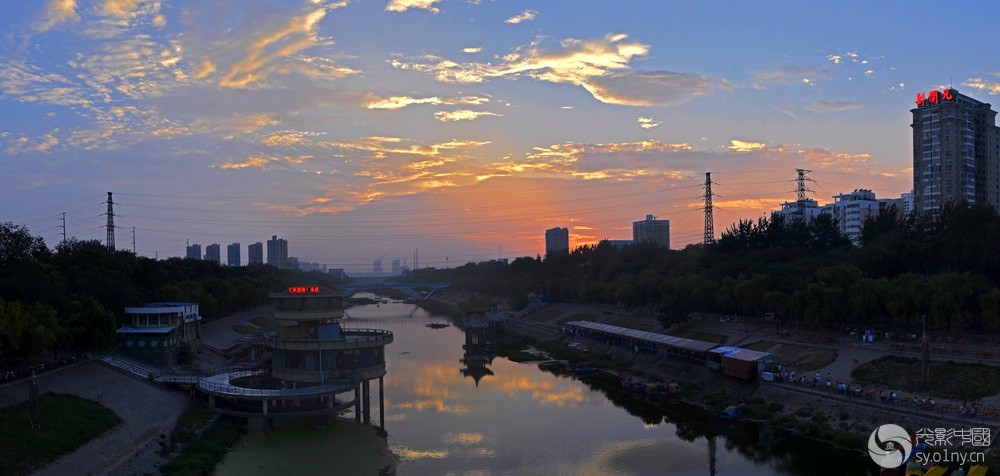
956	151
850	210
233	253
556	241
907	203
255	253
651	230
213	252
277	252
193	251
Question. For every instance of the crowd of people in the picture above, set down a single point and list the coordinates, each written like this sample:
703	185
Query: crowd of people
9	375
889	397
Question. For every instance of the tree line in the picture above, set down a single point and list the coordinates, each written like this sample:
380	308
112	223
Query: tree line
943	269
71	297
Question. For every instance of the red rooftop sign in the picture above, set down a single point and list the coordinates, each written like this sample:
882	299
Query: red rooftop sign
303	290
935	97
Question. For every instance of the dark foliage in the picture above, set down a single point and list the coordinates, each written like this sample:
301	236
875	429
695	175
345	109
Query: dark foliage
944	267
71	298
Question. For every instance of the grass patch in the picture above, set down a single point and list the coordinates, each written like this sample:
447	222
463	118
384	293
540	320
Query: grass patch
950	380
66	421
244	329
265	322
200	454
802	358
760	410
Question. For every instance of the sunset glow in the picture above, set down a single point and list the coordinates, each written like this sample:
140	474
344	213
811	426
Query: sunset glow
459	128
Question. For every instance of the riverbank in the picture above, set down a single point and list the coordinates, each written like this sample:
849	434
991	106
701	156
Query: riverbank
828	416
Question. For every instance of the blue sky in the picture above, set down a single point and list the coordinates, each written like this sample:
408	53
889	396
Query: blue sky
464	129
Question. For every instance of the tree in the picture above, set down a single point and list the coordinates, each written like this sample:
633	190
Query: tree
86	324
25	329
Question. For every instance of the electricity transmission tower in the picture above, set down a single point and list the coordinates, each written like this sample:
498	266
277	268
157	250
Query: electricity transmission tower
111	224
709	220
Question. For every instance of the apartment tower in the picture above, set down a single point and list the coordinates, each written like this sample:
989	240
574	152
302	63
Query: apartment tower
956	151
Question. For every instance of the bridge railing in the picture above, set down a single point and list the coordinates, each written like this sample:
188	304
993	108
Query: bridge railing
222	387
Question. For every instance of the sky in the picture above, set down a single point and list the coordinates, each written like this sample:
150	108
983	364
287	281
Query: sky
459	129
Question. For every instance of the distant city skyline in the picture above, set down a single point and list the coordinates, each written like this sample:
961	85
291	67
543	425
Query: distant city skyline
461	128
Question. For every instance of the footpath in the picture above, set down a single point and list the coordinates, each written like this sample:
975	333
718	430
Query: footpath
148	412
547	321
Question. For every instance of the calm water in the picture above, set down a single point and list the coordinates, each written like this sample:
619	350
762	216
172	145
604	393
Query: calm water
452	409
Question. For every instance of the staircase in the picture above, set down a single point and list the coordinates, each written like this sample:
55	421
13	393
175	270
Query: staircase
126	367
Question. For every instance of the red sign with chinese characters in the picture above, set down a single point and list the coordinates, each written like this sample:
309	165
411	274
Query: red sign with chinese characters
303	290
935	97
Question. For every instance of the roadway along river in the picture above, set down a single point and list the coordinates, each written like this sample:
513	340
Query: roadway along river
452	409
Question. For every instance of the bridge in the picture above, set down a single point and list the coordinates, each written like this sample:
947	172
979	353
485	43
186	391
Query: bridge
372	284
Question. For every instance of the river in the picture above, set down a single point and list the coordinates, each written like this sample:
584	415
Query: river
452	408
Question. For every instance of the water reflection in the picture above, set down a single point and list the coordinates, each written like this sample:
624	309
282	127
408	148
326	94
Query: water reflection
480	335
493	416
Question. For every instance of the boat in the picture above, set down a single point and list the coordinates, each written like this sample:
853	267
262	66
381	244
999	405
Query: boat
657	392
731	412
634	387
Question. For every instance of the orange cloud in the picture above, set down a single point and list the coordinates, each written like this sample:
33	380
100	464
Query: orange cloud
745	146
404	5
293	37
57	12
262	162
524	16
462	115
601	66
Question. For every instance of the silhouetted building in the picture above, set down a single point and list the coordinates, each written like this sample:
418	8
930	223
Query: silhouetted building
193	251
277	252
651	230
955	151
310	266
233	254
619	244
805	210
213	252
848	210
556	241
255	253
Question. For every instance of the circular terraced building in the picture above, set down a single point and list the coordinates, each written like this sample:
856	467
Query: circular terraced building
312	360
